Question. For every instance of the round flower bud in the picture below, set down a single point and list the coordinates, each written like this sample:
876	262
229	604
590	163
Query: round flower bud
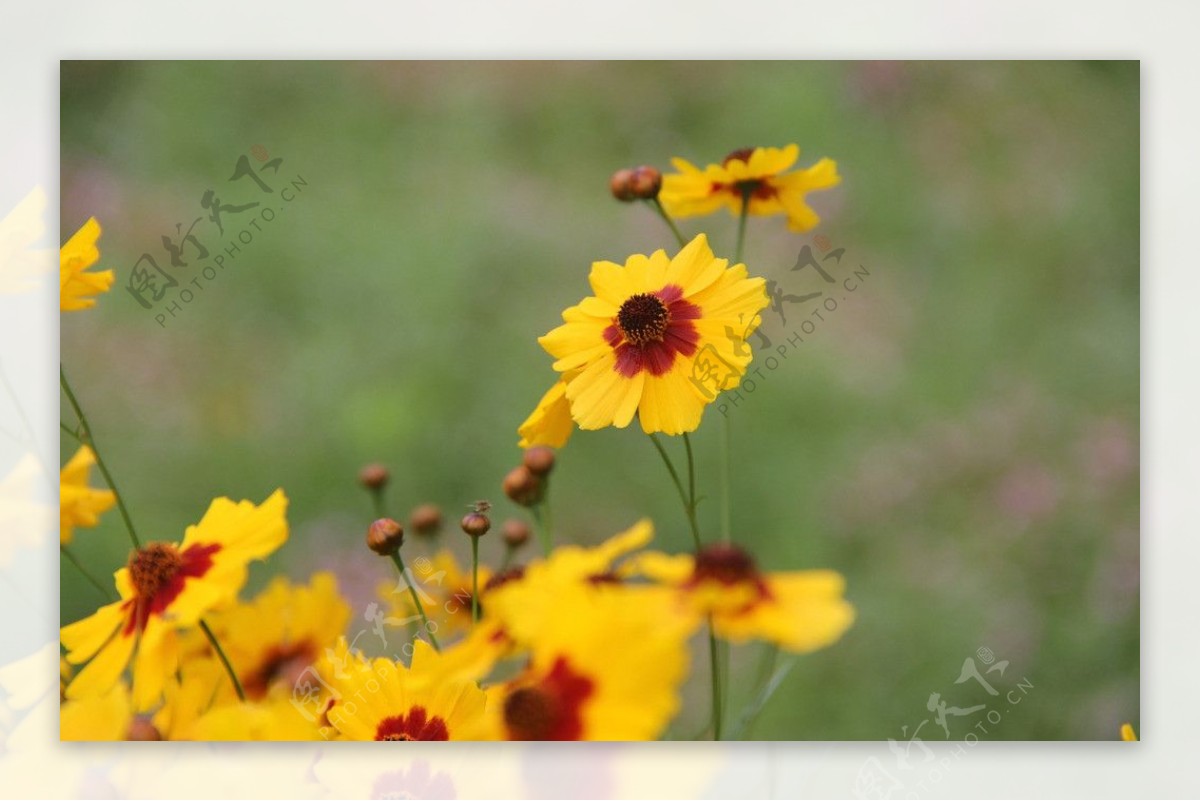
141	729
385	536
621	186
476	524
645	183
539	459
516	533
522	486
426	519
374	476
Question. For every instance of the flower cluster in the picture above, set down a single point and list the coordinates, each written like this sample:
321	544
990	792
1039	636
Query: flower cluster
576	643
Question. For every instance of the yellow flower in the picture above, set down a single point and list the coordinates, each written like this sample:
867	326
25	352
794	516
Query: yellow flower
274	719
606	663
166	587
79	504
761	173
799	611
444	589
272	639
1127	733
75	285
550	422
639	344
382	700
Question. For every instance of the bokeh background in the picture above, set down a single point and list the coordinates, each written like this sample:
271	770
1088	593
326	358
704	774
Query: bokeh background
960	438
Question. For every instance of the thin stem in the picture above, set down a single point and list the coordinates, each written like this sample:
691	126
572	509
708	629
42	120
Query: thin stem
547	517
741	235
212	639
756	707
86	432
69	431
543	531
377	502
726	461
86	573
687	444
399	560
658	206
688	508
475	579
714	668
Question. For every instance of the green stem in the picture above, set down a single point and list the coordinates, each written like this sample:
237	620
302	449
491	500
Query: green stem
412	591
688	507
758	704
475	579
716	680
726	461
377	502
658	206
212	639
741	235
69	431
543	531
83	570
87	436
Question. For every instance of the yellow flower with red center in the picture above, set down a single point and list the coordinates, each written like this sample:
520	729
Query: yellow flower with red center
381	700
799	611
605	663
648	341
78	503
76	286
759	175
275	637
166	587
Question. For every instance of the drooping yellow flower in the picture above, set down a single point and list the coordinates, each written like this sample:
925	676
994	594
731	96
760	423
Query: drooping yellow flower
550	422
76	287
606	663
799	611
79	504
381	700
166	587
660	338
284	630
759	173
445	592
1127	733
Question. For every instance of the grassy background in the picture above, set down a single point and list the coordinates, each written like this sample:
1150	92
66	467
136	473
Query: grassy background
960	438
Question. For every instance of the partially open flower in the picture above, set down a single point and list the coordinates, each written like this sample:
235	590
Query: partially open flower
385	536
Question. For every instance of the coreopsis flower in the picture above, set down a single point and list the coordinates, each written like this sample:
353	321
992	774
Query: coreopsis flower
76	286
550	422
799	611
758	173
382	700
281	632
660	338
78	503
603	665
105	716
275	719
166	587
445	591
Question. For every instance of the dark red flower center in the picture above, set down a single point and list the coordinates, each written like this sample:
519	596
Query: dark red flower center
650	329
158	573
514	573
550	709
415	725
741	154
727	564
283	663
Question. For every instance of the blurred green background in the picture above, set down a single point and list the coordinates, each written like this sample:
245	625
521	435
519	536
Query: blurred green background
960	438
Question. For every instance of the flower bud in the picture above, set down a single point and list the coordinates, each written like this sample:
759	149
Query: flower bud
516	533
539	459
141	729
621	186
385	536
374	476
645	183
426	519
522	486
476	524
